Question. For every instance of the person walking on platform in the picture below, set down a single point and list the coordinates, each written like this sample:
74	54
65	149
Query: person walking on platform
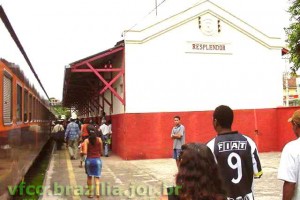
93	149
236	155
289	167
105	132
178	137
58	132
71	137
110	133
84	134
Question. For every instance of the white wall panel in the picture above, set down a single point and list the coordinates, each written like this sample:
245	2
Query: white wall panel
161	76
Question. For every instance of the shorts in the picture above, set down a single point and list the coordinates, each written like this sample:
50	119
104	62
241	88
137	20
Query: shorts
93	167
83	157
176	153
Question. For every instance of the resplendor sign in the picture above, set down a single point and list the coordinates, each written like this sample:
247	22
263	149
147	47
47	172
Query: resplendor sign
206	47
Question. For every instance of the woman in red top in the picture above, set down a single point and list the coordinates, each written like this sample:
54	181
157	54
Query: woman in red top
93	148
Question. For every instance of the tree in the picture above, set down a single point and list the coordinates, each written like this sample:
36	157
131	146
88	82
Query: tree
293	33
59	110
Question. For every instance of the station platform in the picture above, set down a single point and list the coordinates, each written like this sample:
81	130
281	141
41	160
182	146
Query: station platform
120	179
137	179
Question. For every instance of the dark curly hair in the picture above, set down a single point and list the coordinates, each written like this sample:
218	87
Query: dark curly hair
198	174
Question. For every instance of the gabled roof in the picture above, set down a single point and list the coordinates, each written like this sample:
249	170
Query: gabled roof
155	28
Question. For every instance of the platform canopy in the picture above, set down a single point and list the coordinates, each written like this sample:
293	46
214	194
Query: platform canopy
86	81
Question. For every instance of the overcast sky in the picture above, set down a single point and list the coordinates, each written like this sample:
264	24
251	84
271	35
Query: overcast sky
57	32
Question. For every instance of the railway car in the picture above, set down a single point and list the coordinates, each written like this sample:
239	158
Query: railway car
24	125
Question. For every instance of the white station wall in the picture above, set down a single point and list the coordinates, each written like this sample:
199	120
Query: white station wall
162	76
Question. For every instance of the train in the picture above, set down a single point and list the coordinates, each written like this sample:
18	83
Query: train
25	119
25	125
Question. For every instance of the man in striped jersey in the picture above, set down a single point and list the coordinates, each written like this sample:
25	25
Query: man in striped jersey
236	155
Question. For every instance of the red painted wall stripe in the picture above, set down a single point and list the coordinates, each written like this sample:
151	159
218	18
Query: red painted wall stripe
147	135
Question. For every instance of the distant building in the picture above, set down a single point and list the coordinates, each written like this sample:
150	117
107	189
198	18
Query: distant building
291	90
55	102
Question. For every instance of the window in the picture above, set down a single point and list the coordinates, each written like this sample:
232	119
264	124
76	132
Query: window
25	106
30	107
7	99
37	110
19	103
33	108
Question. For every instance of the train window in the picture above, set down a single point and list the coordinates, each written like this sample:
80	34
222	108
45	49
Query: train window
19	103
37	106
29	107
33	108
7	99
25	106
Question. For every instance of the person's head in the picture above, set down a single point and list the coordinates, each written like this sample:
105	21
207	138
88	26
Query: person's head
176	120
72	119
222	118
92	134
103	121
198	173
295	121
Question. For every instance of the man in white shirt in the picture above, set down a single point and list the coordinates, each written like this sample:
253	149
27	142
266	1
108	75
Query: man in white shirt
58	134
290	163
105	132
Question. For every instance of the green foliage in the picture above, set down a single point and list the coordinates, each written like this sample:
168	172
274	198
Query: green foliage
295	102
59	110
293	33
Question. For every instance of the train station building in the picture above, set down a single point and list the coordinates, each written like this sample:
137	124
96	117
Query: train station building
186	63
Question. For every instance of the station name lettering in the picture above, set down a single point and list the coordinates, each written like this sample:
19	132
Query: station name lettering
232	145
208	47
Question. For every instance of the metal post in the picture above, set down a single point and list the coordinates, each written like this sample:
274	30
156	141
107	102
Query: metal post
156	7
286	89
286	79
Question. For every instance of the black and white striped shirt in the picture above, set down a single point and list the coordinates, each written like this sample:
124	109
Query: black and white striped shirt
238	160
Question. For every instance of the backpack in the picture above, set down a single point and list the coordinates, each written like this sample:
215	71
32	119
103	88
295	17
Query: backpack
59	136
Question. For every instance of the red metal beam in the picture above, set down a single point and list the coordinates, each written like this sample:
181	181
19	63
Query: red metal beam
105	82
105	100
85	66
112	51
77	85
98	70
95	94
111	82
95	104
